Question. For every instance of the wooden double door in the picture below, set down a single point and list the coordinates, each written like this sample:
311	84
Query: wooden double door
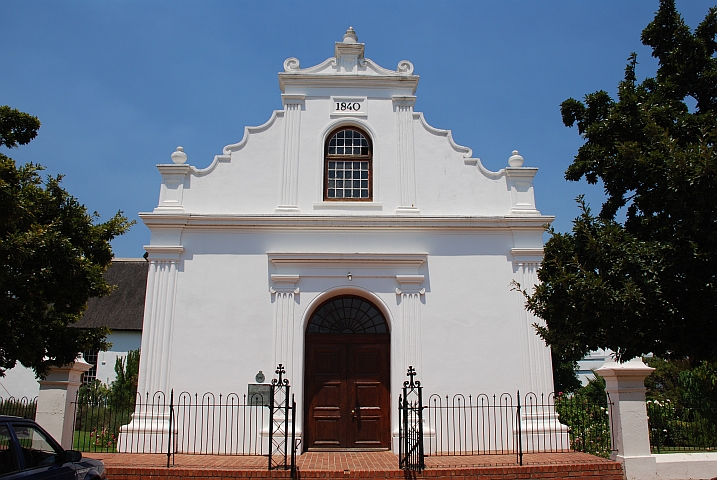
347	397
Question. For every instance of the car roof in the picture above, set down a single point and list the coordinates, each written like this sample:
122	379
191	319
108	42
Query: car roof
6	418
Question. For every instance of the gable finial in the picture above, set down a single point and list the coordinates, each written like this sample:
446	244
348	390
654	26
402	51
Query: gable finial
350	36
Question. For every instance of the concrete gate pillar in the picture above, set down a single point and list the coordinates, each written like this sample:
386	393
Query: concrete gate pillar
55	409
625	383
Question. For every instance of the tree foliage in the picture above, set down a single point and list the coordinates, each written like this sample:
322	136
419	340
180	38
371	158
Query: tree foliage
124	388
647	284
52	257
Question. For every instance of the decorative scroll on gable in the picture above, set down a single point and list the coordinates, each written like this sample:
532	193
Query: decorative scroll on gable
349	61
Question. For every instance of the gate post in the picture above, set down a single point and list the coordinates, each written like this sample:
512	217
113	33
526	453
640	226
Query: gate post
410	409
282	411
56	400
625	383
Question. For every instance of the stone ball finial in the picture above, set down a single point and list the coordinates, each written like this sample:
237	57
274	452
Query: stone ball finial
515	160
179	156
350	36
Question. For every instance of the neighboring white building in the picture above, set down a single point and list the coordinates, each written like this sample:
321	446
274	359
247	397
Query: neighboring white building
347	239
590	363
122	311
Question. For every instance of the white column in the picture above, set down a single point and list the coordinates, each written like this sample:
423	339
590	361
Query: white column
625	383
539	422
410	292
148	432
58	392
410	346
156	353
403	105
284	290
290	166
537	363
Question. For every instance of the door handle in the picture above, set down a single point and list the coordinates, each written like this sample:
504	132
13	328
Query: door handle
353	414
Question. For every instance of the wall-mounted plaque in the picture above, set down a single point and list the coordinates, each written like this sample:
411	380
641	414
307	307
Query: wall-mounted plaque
259	394
349	106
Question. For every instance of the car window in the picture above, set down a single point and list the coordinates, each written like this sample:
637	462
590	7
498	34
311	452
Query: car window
37	451
8	463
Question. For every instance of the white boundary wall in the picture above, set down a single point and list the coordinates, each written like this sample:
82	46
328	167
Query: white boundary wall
626	387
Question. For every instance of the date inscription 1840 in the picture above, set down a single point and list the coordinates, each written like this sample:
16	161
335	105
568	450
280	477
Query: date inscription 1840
348	106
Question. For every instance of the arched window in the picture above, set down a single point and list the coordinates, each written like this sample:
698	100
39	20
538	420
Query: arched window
347	166
347	314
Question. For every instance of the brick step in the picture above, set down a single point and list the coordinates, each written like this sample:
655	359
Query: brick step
601	471
344	466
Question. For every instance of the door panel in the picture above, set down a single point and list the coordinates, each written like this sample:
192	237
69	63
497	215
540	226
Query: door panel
328	394
347	403
368	374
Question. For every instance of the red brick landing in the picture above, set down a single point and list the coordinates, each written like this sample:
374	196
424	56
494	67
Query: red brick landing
351	465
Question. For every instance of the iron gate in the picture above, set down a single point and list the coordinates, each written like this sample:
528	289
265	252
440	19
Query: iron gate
410	429
282	421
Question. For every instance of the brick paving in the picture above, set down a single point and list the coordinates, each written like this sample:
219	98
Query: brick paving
344	465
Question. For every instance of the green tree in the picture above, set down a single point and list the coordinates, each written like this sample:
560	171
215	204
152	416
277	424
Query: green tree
664	383
52	257
647	284
699	387
584	411
123	389
565	377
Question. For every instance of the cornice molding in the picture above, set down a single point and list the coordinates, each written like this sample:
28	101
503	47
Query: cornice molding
284	279
527	255
410	284
333	222
174	169
410	83
284	283
409	279
164	252
526	251
404	100
295	99
359	259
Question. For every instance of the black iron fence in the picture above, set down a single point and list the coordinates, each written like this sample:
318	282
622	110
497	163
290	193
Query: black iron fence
188	423
499	424
507	424
676	428
199	424
19	407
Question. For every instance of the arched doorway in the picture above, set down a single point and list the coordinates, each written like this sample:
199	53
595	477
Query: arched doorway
346	375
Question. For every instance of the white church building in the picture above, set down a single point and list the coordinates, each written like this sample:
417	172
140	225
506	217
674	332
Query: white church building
347	239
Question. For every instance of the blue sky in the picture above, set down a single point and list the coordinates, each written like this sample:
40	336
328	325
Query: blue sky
118	85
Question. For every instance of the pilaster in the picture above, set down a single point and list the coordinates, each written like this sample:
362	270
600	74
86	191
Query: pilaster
410	292
293	105
403	106
148	432
284	290
158	318
536	359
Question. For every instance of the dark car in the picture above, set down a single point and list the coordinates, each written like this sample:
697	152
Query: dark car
28	452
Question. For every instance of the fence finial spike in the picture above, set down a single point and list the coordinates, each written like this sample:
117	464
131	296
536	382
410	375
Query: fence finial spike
280	370
410	374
